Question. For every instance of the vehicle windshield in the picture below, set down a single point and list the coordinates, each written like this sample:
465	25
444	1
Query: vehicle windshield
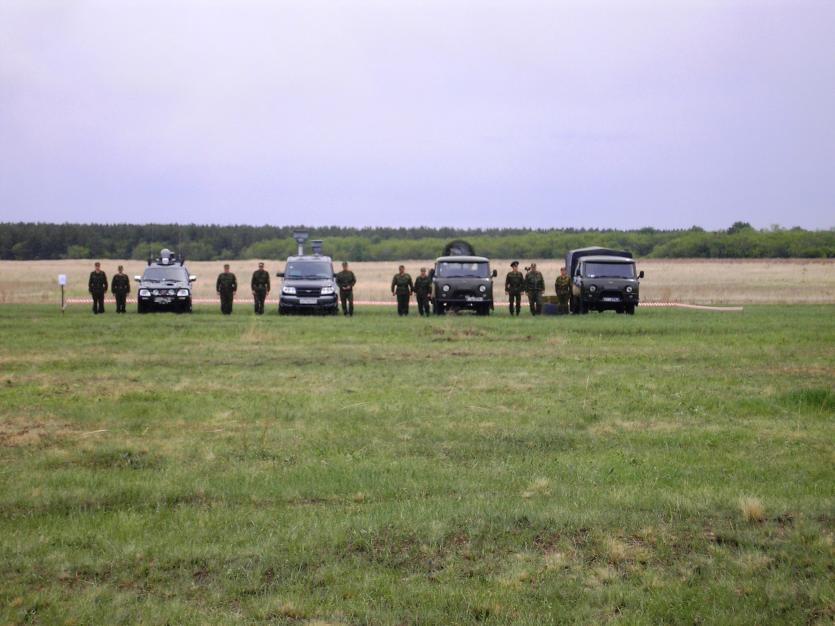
451	269
164	274
310	270
610	270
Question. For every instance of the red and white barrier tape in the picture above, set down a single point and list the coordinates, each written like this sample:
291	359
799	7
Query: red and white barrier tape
392	303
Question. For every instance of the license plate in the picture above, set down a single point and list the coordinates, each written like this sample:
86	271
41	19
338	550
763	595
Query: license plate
610	299
163	300
474	299
308	301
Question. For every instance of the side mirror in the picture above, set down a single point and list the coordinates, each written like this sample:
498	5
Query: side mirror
137	277
432	273
495	273
280	274
192	278
641	274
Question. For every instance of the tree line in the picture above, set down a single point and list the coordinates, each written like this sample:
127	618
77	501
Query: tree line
34	241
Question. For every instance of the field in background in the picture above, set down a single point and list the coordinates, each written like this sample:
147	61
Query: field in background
694	281
675	467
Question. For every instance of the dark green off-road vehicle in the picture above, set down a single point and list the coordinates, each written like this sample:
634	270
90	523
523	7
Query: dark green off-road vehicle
461	281
602	279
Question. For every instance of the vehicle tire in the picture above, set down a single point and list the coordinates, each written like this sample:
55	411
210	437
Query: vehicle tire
438	308
582	307
282	310
141	309
630	309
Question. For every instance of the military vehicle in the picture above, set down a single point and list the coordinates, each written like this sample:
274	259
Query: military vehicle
165	285
602	279
462	280
308	284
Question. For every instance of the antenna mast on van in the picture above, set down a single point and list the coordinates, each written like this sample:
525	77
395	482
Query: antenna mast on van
300	236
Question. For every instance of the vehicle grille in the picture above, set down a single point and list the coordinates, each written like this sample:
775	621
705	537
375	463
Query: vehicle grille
308	292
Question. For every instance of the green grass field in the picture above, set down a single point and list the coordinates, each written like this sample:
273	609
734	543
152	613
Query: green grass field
671	467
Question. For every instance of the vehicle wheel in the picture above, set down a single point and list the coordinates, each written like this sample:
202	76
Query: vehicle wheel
140	308
438	308
630	309
282	310
582	307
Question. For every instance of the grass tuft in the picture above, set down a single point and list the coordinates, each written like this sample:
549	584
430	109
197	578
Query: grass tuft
752	509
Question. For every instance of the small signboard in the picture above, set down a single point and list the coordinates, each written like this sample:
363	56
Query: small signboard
62	279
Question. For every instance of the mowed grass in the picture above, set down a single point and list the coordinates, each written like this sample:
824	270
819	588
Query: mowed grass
671	467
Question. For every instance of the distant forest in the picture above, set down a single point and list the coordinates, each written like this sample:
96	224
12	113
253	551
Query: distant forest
32	241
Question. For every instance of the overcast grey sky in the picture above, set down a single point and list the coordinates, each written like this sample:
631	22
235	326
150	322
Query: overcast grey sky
586	113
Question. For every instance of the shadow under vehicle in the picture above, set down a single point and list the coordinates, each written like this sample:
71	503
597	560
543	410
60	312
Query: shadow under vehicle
308	282
462	281
602	279
165	285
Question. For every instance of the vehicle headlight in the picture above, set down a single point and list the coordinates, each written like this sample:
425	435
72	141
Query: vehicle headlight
593	288
144	293
326	291
483	288
155	292
171	292
445	288
291	290
629	289
183	293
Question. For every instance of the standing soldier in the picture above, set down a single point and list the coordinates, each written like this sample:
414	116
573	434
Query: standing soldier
227	285
120	288
260	288
97	287
514	285
563	287
402	287
346	281
423	291
535	286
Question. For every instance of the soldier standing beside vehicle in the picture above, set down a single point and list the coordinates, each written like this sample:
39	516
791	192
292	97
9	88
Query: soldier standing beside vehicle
423	290
97	287
346	280
227	285
534	286
260	287
120	288
563	288
514	285
402	287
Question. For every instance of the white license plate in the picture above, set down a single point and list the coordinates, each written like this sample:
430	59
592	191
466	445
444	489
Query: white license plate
308	300
163	300
474	299
610	299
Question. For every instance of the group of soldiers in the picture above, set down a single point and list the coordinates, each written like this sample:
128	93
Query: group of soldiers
403	287
98	286
532	284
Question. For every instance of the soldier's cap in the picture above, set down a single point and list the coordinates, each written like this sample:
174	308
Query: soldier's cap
514	264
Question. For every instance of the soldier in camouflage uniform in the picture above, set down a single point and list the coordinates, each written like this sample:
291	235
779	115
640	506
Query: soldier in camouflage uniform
227	285
423	291
535	287
514	285
97	286
120	288
402	287
563	288
260	287
346	281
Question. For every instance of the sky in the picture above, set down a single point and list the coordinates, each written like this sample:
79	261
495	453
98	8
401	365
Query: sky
561	113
